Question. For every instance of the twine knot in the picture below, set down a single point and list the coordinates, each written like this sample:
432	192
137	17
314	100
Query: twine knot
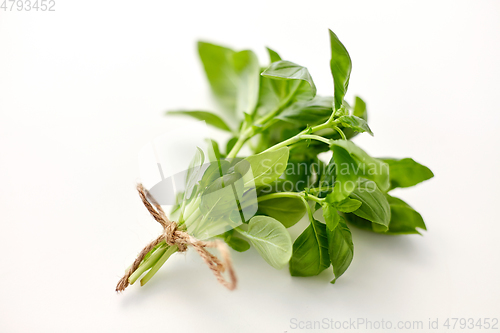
172	236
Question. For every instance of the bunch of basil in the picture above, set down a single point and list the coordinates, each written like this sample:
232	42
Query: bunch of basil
285	124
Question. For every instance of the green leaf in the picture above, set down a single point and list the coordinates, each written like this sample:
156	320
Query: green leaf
230	144
367	166
404	219
208	117
340	65
406	172
346	174
286	210
273	55
355	123
360	109
287	70
218	63
233	76
214	153
219	198
342	111
327	179
374	205
348	205
247	68
311	112
302	172
360	222
310	251
234	242
215	170
238	244
266	167
331	216
280	91
271	239
340	248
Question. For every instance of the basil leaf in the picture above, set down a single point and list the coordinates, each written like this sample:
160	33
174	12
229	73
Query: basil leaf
404	219
331	216
367	166
233	76
310	251
238	244
374	207
327	179
301	172
221	196
234	242
230	144
286	210
214	170
266	167
271	239
287	70
359	110
359	222
346	174
348	205
217	62
214	153
340	248
210	118
247	68
406	172
340	66
273	55
311	112
272	93
355	123
280	89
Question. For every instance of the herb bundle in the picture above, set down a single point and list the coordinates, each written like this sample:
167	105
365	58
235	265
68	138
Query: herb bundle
286	126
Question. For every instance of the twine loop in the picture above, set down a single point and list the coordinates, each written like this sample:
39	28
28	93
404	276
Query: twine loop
172	236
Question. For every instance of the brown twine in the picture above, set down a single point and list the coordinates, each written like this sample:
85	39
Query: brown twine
175	237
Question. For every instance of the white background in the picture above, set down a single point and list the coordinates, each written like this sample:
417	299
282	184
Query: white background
84	87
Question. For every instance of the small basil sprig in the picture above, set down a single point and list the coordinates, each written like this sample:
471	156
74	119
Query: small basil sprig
277	109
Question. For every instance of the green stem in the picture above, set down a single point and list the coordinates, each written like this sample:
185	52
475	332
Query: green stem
147	264
289	195
237	146
193	216
171	250
340	132
248	132
191	207
315	137
309	211
316	190
280	107
297	138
